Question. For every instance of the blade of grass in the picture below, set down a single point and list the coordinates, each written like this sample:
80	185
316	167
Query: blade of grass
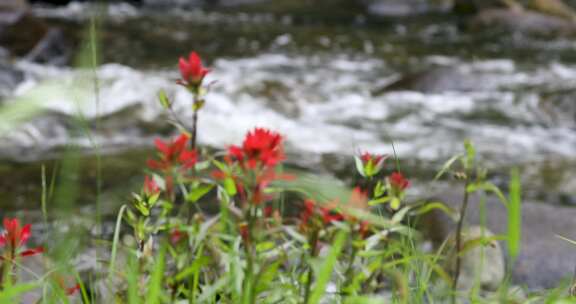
155	284
327	267
115	242
514	215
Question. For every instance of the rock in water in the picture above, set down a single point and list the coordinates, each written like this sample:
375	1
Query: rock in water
9	79
523	21
40	43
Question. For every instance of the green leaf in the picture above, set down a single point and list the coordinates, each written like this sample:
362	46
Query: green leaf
264	246
164	101
470	154
326	269
198	105
198	192
359	165
488	187
379	201
230	186
514	215
437	205
395	203
11	294
447	165
155	285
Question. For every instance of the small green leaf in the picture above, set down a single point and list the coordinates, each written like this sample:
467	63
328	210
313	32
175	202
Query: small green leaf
265	246
230	186
198	105
164	101
359	166
447	165
395	203
198	192
379	201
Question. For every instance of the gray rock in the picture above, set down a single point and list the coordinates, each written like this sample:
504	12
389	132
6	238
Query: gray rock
9	78
401	8
524	21
442	79
482	264
40	44
544	260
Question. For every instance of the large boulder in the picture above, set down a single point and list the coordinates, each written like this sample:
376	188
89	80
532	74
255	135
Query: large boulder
544	260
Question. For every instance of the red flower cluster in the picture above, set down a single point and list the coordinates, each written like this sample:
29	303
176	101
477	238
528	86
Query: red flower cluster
261	146
173	153
192	71
14	237
398	182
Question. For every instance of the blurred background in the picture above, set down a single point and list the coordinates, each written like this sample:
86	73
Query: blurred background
336	77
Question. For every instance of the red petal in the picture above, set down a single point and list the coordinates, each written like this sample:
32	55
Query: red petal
161	146
180	143
30	252
25	234
72	290
2	240
184	69
155	165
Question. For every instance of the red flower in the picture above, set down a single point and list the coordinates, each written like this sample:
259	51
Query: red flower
330	215
192	71
307	213
72	290
367	157
260	146
150	186
173	153
176	236
398	182
14	237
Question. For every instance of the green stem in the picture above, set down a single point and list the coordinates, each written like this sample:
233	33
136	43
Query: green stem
313	245
350	271
459	237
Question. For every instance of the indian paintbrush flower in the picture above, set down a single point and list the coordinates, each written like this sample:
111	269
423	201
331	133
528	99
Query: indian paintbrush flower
398	182
369	164
260	146
150	187
14	238
192	71
173	153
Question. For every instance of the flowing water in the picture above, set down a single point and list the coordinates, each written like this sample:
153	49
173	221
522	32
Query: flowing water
333	84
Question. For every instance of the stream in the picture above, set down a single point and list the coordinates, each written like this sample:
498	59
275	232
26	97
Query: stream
332	84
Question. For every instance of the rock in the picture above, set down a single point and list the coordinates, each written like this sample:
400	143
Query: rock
9	79
402	8
553	8
523	21
441	79
12	5
483	264
544	260
40	44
